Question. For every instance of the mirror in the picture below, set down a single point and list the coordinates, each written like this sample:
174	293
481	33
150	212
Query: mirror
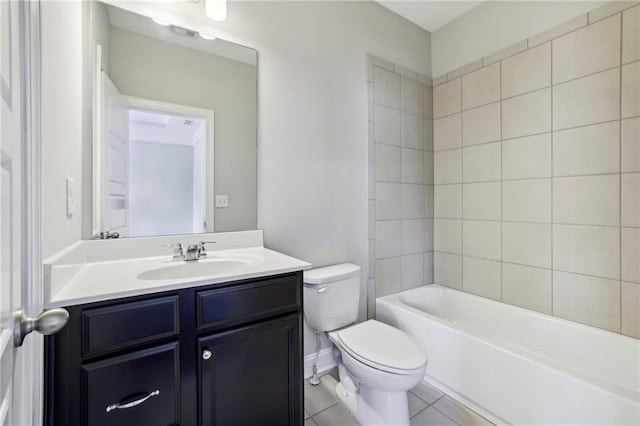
174	128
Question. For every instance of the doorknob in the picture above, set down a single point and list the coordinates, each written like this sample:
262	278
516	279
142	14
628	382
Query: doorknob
48	322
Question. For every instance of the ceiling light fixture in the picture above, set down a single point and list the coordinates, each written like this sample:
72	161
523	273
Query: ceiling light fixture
207	36
160	22
216	9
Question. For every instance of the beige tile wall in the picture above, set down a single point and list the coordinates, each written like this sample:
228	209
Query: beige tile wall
400	179
537	172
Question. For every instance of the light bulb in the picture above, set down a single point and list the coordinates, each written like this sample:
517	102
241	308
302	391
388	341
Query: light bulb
207	36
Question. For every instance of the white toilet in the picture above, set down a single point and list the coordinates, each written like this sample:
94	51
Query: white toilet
378	363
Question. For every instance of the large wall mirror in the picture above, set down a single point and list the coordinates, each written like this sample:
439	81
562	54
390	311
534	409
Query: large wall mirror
174	128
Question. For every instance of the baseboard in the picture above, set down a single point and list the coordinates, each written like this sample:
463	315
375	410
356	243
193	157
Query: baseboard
325	362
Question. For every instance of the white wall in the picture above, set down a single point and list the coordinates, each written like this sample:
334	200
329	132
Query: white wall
62	125
312	143
495	25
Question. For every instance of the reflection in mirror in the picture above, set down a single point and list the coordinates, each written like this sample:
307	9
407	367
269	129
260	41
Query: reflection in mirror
174	128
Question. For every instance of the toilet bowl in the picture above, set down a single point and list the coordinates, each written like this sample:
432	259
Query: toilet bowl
378	363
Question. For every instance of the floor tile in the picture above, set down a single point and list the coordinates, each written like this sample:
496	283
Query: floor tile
334	416
430	417
427	393
310	422
320	397
415	404
306	414
459	413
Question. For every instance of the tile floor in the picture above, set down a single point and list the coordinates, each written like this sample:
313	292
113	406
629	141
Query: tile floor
427	406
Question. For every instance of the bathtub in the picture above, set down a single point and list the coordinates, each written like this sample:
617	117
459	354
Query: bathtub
518	366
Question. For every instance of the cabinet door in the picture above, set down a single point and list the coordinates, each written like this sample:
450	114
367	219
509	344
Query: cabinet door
252	375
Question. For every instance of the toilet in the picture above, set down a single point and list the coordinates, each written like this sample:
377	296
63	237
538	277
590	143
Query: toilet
377	363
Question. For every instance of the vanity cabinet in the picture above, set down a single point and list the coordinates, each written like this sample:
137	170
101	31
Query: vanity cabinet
224	354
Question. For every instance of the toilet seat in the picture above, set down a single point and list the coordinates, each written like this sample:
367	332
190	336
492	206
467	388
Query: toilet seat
382	347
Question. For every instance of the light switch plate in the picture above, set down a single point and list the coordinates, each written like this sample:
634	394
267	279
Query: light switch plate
222	201
71	197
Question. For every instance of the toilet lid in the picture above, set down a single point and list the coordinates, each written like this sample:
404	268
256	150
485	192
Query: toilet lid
381	345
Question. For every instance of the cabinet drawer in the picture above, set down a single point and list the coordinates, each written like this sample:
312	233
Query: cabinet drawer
115	327
144	384
247	302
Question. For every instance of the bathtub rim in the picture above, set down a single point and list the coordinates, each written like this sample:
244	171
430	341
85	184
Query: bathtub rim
505	346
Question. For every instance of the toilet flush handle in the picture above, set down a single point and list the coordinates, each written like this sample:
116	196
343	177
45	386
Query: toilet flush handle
322	289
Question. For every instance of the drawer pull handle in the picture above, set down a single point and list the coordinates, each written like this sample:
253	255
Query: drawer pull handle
131	404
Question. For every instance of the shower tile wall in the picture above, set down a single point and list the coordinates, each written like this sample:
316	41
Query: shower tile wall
400	180
536	172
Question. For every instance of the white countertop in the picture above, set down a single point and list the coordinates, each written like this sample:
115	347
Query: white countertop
73	283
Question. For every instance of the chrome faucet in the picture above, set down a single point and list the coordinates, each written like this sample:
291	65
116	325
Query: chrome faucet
196	251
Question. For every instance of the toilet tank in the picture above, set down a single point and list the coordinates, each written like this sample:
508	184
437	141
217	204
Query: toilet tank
332	296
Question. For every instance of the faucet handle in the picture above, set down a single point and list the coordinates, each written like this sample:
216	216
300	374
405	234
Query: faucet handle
178	254
203	249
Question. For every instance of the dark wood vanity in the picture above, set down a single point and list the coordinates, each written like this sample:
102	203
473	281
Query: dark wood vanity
224	354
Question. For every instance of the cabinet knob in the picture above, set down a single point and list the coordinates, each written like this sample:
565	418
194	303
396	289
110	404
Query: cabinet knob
206	354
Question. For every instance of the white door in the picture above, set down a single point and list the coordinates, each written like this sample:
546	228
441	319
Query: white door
115	159
20	265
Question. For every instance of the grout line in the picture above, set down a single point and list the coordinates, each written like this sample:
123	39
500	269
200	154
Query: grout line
487	104
402	144
552	178
324	409
620	255
511	139
436	408
532	266
375	185
571	80
526	222
501	191
461	188
428	404
528	92
633	61
559	177
526	179
449	115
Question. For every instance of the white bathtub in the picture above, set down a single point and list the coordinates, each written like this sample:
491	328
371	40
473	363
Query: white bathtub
518	366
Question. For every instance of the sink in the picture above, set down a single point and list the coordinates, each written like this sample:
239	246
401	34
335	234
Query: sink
196	269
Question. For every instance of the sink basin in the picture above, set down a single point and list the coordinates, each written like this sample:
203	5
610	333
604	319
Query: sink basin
196	269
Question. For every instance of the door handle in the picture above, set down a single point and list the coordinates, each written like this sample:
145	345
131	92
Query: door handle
48	322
